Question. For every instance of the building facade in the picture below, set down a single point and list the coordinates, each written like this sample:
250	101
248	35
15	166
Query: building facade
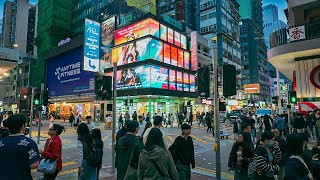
297	53
221	19
253	48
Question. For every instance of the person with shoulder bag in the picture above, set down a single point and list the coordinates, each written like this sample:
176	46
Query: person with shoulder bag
296	168
155	161
52	151
267	156
96	135
89	154
128	150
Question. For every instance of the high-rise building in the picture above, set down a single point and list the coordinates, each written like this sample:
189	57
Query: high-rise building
18	25
32	27
253	48
221	19
1	24
297	55
272	23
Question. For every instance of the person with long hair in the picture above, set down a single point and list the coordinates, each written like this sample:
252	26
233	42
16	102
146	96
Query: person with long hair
148	125
85	143
96	136
296	167
267	156
53	149
155	160
240	156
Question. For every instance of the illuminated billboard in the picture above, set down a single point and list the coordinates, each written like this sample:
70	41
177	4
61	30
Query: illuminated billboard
137	77
194	51
179	81
159	77
170	35
107	41
180	58
167	53
186	60
174	56
185	82
177	38
251	88
192	83
183	40
137	30
172	79
163	32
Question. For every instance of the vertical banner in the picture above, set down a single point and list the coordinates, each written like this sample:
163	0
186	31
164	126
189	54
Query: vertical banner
194	51
91	46
107	41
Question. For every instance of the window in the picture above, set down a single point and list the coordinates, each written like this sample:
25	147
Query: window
203	18
245	67
212	15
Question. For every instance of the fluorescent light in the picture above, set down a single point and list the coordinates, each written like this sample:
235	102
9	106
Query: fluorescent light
5	74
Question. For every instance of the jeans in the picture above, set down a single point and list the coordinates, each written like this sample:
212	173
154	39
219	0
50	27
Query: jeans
71	124
253	135
88	172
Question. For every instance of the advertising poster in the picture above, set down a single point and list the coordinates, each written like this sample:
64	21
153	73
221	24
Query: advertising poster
180	58
186	82
163	32
194	51
154	28
174	54
186	60
159	77
172	79
156	50
107	36
142	49
167	53
132	32
66	75
124	55
183	40
170	35
177	38
192	83
179	81
137	77
91	46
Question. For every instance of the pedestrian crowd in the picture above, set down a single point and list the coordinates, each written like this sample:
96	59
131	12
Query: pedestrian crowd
276	148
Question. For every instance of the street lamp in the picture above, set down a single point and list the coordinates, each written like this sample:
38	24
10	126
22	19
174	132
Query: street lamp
15	45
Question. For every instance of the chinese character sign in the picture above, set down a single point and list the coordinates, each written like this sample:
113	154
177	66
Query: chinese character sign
91	46
297	33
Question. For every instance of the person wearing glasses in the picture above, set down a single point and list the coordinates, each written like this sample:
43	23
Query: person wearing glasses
53	149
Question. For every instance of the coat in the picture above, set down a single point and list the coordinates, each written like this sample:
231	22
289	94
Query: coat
53	150
126	145
162	157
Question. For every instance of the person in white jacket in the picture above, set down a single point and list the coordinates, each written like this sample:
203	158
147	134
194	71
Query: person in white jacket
157	123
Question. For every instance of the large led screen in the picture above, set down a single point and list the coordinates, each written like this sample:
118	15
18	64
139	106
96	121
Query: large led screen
186	60
177	38
179	81
159	77
174	56
137	77
170	35
185	82
163	32
137	30
183	40
180	58
167	53
156	50
142	49
192	83
125	54
172	80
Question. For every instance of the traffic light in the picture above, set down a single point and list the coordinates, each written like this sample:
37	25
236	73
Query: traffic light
131	102
293	97
98	82
36	99
229	80
45	97
106	88
203	81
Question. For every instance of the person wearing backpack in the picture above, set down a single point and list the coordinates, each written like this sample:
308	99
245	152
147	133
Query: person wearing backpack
96	135
155	160
267	156
128	150
182	151
89	154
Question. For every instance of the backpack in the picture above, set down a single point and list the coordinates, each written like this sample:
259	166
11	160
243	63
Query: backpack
94	158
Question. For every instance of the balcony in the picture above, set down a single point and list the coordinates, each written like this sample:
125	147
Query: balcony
283	52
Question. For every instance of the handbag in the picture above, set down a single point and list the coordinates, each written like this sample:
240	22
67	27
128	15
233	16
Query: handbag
48	166
131	173
159	171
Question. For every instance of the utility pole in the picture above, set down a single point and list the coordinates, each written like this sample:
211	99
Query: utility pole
114	115
40	112
216	107
31	111
279	93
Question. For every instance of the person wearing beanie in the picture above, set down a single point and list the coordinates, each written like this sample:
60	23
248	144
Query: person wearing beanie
182	151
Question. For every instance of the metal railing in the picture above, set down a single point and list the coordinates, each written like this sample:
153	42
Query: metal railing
281	37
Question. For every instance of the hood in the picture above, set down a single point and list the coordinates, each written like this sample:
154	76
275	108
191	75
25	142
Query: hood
127	141
156	153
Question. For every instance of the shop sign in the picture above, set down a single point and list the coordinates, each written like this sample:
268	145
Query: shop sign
251	88
207	102
91	46
233	102
315	77
297	33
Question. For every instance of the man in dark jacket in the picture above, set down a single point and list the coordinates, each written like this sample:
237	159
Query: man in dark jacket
4	130
299	123
128	150
182	151
123	131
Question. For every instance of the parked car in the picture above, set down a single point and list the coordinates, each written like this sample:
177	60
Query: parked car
234	114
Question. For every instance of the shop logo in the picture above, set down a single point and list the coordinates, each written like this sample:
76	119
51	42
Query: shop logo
67	71
315	76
